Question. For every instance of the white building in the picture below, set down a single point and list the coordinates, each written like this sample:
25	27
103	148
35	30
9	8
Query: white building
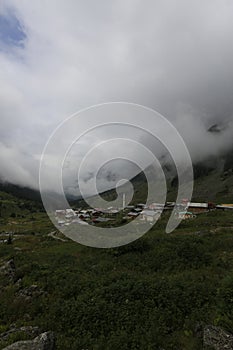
150	215
70	212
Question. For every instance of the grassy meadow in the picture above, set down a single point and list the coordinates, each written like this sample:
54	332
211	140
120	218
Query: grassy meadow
155	293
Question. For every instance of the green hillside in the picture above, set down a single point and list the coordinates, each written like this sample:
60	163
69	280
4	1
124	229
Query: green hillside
159	292
21	215
156	293
216	187
210	185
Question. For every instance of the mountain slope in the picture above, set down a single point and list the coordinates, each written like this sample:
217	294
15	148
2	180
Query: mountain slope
215	185
20	192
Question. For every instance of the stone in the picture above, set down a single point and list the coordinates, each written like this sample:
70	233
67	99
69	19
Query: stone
8	269
29	330
217	338
44	341
29	292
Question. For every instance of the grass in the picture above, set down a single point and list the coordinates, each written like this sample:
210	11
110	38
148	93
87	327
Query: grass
149	294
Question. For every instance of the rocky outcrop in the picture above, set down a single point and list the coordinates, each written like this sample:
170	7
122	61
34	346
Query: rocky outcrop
44	341
30	292
217	338
8	270
27	330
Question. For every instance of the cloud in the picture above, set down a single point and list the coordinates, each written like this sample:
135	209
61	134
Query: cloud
175	57
17	172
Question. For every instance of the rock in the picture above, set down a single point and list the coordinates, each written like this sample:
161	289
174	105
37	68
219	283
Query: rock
29	330
8	269
29	292
44	341
217	338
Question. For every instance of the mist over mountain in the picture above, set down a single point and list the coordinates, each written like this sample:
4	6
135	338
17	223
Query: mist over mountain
174	58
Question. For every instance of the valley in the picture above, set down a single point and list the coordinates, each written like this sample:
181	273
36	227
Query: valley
168	291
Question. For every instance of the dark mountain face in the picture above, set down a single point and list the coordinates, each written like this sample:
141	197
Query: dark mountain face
20	192
228	163
220	165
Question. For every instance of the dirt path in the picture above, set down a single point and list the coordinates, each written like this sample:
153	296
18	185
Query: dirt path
221	228
52	234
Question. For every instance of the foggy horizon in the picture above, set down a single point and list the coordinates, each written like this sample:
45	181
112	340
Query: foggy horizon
59	58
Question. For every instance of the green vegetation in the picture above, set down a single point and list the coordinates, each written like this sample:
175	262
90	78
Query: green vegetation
19	216
151	294
209	186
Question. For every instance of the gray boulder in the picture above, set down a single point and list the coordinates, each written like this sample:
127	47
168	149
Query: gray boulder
8	269
32	291
217	338
44	341
27	330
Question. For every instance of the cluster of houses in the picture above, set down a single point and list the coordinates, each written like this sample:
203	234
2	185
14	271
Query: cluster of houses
81	216
146	213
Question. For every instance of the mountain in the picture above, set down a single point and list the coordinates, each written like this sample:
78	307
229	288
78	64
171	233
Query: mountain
20	192
213	181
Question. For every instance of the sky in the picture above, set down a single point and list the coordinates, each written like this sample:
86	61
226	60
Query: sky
57	57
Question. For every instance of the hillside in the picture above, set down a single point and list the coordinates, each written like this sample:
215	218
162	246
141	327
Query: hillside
21	215
20	192
213	180
160	292
210	185
216	186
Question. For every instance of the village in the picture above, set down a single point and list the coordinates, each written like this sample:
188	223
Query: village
145	213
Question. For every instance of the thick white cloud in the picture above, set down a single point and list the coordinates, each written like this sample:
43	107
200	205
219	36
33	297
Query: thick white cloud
175	57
